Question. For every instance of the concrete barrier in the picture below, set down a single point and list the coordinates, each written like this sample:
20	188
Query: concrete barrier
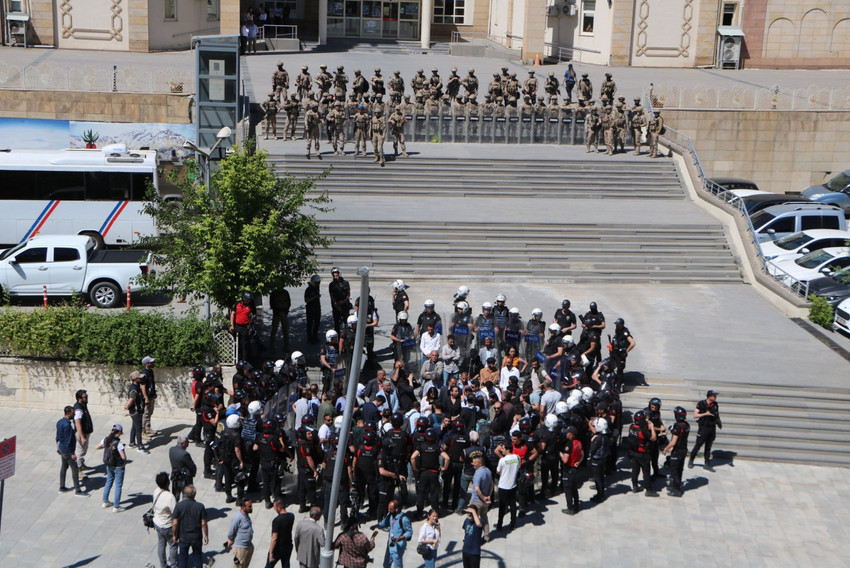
50	385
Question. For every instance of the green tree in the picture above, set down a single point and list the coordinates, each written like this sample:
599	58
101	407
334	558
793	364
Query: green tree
250	231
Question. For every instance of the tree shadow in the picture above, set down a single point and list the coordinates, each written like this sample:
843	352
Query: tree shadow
83	562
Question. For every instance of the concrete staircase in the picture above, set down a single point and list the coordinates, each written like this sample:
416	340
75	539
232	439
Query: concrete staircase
381	46
503	178
796	424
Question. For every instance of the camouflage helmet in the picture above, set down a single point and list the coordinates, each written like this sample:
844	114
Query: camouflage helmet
377	70
271	95
407	97
396	72
280	63
471	71
531	71
551	73
303	67
495	75
434	70
454	69
323	66
513	75
339	67
420	70
504	69
357	71
607	75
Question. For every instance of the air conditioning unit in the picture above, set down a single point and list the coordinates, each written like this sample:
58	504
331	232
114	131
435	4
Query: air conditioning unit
17	28
553	11
730	52
570	9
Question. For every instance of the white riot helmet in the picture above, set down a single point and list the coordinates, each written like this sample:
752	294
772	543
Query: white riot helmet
461	293
402	316
551	422
351	319
278	365
568	340
537	312
233	422
297	357
601	425
462	306
255	407
514	312
572	403
429	303
338	423
561	407
399	285
587	394
331	335
554	328
575	394
486	306
501	298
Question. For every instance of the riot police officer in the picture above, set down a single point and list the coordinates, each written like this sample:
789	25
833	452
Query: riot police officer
592	323
392	464
653	414
677	450
548	446
454	447
641	433
329	356
426	462
271	447
230	459
328	477
307	457
403	341
535	330
621	344
365	466
707	415
249	433
340	293
565	318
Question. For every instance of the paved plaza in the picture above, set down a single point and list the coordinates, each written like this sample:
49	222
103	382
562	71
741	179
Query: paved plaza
744	514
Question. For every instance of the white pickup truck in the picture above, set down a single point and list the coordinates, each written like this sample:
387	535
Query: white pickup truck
68	265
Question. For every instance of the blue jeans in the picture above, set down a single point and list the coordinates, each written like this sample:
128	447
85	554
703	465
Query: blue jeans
166	542
394	557
431	562
113	475
462	500
184	557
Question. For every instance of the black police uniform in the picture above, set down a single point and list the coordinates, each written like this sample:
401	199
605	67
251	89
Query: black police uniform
395	454
619	344
425	319
198	408
454	447
598	452
550	462
249	456
707	430
398	302
654	447
639	436
344	485
229	464
313	309
339	290
331	353
565	320
366	475
269	456
677	456
429	476
305	448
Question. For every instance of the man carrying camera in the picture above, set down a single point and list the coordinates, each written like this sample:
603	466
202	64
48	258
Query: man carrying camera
183	468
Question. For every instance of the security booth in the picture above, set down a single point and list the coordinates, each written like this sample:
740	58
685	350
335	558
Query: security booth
729	45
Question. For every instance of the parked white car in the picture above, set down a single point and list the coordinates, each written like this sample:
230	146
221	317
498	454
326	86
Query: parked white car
842	317
798	244
65	265
809	266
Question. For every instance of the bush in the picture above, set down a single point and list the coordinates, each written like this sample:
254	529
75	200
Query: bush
820	312
71	332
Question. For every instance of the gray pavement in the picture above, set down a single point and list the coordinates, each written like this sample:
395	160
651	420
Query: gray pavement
745	514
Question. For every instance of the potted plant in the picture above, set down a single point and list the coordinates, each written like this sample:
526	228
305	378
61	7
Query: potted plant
90	138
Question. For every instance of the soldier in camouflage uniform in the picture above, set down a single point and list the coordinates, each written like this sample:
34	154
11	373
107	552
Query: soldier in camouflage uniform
361	129
270	110
512	94
529	87
435	84
324	81
585	88
311	128
638	122
656	129
280	82
494	89
504	78
470	83
340	83
335	122
360	87
397	122
608	127
396	85
293	109
592	126
419	82
552	87
377	82
608	88
621	124
304	84
453	83
379	134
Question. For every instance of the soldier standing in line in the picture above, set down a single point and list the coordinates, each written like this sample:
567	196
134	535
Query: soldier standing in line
361	130
418	82
620	125
396	84
488	107
512	91
336	128
592	125
397	122
551	87
379	134
608	126
311	128
323	80
529	87
360	87
608	88
526	109
471	106
585	88
656	129
280	82
378	103
340	83
377	83
293	110
304	82
435	83
419	107
504	78
270	110
494	89
470	83
638	123
453	83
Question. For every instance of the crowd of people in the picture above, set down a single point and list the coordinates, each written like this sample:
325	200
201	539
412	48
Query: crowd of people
379	106
498	417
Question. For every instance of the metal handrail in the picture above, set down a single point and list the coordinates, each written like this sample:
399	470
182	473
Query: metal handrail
568	53
278	32
500	40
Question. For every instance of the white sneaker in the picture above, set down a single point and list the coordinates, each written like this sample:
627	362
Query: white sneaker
105	505
117	509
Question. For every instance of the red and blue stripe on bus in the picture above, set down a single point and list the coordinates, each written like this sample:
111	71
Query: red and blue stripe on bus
112	217
41	220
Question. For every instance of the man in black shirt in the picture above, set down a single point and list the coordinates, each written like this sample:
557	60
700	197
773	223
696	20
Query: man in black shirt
707	415
280	547
313	308
189	524
565	318
280	303
340	293
183	468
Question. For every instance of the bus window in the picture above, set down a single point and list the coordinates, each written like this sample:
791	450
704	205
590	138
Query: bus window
108	186
60	185
140	186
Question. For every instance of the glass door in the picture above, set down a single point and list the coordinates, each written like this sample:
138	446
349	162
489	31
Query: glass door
390	11
372	16
408	26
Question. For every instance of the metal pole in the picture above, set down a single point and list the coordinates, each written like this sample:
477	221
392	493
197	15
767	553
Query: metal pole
206	161
2	491
327	558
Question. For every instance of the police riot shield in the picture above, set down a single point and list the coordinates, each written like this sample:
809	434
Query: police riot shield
525	130
500	130
486	130
533	339
463	334
553	130
460	127
567	123
420	128
578	131
407	351
433	128
446	125
409	127
513	130
538	130
512	338
473	128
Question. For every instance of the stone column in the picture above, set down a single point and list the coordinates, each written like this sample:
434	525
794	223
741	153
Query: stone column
426	14
323	22
534	30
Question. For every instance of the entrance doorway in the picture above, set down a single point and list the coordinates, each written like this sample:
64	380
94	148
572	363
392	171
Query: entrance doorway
376	19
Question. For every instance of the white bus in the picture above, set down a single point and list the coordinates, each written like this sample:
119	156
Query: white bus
98	193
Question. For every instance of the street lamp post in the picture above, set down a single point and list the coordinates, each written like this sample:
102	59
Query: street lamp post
206	158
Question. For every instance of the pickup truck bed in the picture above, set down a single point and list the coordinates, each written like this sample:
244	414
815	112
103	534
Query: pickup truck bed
117	256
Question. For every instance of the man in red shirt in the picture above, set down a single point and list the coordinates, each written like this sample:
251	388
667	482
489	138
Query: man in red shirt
572	455
241	322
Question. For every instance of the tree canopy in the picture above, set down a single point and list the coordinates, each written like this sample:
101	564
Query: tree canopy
251	231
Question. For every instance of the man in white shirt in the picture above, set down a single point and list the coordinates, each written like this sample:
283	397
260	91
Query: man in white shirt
508	469
430	341
507	372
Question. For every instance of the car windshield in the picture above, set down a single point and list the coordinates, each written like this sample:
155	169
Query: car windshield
761	219
839	182
814	259
842	275
793	241
12	250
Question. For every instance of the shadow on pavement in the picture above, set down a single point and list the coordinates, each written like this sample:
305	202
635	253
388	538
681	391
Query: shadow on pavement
167	435
723	457
83	562
693	483
220	513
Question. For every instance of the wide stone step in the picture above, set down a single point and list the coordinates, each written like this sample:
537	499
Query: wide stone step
510	255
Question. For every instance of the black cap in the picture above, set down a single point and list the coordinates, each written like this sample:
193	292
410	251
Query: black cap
711	393
572	430
565	304
619	321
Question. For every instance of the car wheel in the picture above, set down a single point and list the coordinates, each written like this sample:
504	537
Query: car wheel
105	295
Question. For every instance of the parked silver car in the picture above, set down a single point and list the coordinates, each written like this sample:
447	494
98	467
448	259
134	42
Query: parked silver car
835	192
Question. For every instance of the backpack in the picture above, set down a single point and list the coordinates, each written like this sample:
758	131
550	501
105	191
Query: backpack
110	454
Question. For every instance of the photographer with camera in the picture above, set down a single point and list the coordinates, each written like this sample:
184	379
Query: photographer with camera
400	532
183	468
353	545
